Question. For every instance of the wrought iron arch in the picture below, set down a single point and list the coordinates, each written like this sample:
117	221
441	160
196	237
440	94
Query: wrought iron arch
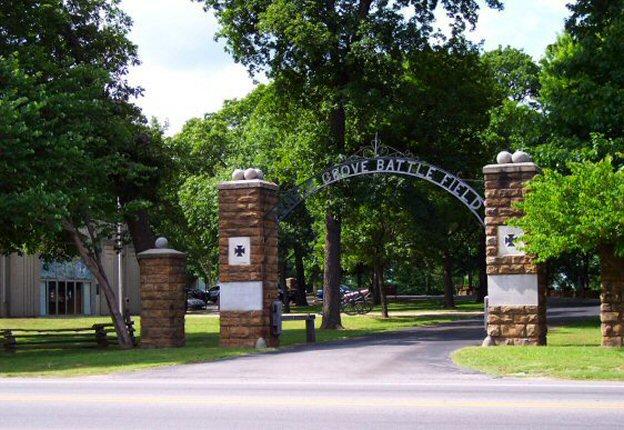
384	160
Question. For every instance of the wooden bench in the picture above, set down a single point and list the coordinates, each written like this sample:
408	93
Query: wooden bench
309	322
97	335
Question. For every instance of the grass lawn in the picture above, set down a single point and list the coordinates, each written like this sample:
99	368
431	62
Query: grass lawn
573	352
202	340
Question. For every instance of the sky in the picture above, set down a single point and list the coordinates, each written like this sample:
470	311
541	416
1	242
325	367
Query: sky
186	73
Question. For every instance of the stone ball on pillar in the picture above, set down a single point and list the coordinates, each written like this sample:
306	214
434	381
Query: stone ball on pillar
238	175
259	174
504	157
521	157
161	243
251	174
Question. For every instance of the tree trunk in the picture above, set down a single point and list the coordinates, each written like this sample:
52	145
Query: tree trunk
140	230
382	292
359	273
95	266
332	275
300	297
333	271
449	288
482	288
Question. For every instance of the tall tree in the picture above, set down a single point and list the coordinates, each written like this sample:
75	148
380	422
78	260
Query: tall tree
69	133
583	86
339	57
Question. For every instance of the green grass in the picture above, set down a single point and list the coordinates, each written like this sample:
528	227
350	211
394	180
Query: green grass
202	334
411	306
573	352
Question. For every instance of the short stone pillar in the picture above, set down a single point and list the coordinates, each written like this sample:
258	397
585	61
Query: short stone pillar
248	262
163	297
516	291
612	298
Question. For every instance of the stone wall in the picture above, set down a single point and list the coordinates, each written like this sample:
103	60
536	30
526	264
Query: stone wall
163	299
516	325
504	187
517	311
612	298
243	212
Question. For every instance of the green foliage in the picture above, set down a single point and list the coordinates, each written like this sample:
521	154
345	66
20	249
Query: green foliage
579	212
70	139
516	123
583	86
515	72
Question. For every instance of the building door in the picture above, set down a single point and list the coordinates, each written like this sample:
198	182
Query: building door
65	297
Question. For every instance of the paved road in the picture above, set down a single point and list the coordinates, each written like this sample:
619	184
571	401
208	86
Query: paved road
399	380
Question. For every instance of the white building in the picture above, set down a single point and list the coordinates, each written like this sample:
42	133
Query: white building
30	287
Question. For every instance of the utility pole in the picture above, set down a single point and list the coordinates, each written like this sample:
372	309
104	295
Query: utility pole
119	263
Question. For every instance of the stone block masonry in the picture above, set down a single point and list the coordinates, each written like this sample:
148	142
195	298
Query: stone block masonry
612	298
244	206
516	286
163	297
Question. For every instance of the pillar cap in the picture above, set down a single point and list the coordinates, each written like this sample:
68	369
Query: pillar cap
511	168
253	183
155	252
161	250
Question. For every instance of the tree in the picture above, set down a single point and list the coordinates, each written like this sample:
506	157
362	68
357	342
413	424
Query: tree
69	134
337	57
580	212
515	72
582	86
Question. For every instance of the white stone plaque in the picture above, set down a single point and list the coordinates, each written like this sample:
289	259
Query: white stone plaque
239	251
512	290
509	241
240	296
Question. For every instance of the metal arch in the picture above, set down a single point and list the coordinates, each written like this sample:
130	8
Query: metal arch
398	164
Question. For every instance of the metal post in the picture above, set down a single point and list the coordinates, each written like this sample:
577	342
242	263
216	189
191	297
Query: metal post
310	330
119	264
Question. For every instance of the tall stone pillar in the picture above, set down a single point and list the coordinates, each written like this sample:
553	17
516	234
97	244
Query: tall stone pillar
248	262
163	297
612	297
516	289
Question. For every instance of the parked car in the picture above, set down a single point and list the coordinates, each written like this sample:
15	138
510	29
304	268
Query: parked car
196	293
195	305
212	294
343	290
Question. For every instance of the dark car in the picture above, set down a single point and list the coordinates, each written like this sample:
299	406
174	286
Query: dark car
212	295
343	290
196	293
195	305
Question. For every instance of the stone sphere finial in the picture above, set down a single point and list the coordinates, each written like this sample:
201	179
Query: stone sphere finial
162	243
238	175
251	174
521	157
504	157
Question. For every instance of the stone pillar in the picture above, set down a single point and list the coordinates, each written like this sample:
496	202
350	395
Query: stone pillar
516	288
611	298
248	262
163	297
